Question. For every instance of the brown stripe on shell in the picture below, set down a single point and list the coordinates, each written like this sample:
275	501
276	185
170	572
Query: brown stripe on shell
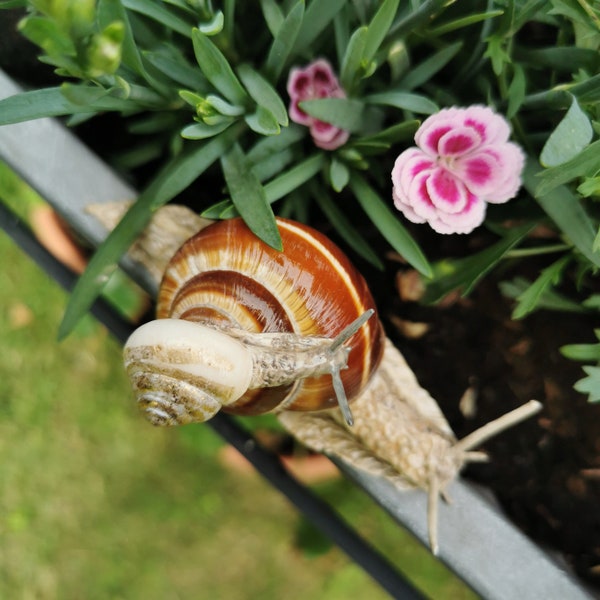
318	292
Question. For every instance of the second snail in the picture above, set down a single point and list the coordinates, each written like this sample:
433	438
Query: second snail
247	329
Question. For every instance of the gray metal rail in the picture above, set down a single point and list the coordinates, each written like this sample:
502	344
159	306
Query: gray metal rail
476	540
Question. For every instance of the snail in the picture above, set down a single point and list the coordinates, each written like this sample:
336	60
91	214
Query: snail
247	329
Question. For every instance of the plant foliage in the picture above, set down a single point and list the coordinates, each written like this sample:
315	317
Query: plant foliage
203	86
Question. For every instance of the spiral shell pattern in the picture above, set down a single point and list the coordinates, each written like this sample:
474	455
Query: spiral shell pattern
228	277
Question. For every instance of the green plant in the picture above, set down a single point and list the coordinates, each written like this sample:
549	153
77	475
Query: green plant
204	88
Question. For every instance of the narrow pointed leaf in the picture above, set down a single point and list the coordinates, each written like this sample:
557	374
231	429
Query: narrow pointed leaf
346	113
585	163
284	41
424	71
248	196
318	15
263	93
273	15
389	226
276	189
529	299
565	209
217	69
351	70
262	121
465	273
379	27
406	101
174	178
347	231
161	14
201	131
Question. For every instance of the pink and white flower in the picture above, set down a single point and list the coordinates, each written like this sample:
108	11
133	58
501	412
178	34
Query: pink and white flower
316	80
462	161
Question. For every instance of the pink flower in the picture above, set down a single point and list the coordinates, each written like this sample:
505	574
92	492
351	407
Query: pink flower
463	161
316	80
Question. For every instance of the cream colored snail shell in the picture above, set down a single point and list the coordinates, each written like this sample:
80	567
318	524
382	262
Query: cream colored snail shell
243	327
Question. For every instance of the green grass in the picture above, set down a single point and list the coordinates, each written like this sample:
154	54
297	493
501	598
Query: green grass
95	503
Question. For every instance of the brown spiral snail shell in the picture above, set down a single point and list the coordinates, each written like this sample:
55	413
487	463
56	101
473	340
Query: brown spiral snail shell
247	329
257	330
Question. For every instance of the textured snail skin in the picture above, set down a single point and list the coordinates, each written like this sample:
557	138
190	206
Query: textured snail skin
288	305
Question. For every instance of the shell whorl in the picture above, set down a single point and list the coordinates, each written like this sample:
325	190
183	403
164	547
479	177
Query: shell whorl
226	277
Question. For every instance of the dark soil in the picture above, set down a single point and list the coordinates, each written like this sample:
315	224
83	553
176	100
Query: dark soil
545	472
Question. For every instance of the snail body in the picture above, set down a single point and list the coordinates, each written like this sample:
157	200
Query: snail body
248	330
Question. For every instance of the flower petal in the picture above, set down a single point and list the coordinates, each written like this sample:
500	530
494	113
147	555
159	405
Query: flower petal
492	128
406	209
512	161
418	196
327	136
458	141
446	191
469	218
408	165
434	127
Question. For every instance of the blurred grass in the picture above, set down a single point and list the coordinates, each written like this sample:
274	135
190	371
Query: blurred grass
95	503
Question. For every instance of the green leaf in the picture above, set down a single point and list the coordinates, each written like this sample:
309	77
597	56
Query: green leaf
214	26
390	136
378	29
348	233
200	131
48	35
565	209
276	189
273	164
318	15
273	15
346	113
461	22
249	198
351	70
263	93
272	145
516	91
423	72
587	162
582	352
406	101
529	299
262	121
389	226
496	52
171	62
591	384
284	41
548	300
161	14
339	175
570	137
216	69
465	273
177	175
561	58
52	102
223	107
